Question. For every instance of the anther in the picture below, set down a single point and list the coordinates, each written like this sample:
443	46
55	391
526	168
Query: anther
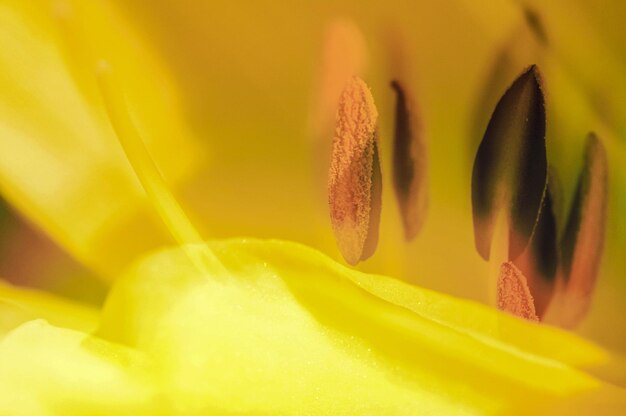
583	239
539	262
510	169
354	182
513	294
410	171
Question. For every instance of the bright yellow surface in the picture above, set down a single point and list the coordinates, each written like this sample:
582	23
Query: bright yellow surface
290	331
287	330
47	370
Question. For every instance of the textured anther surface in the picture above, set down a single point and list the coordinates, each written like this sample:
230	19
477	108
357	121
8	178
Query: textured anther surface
354	177
513	294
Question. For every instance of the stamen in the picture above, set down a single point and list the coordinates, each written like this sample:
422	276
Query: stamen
583	240
153	183
354	183
513	294
409	163
510	169
540	260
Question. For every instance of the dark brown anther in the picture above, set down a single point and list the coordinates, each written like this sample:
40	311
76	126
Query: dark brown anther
354	182
544	241
510	169
539	262
583	240
410	163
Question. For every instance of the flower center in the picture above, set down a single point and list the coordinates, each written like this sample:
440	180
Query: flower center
534	275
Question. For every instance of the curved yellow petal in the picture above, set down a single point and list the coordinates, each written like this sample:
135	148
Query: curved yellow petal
291	330
60	162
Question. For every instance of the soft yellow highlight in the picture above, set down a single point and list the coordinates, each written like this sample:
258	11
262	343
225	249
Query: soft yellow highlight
293	332
61	164
72	374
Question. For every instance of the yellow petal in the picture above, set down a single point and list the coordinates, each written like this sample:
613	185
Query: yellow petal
290	329
18	305
61	163
47	370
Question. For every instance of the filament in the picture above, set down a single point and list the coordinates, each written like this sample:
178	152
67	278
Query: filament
148	174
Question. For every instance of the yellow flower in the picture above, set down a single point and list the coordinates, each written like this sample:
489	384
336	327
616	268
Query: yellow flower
247	325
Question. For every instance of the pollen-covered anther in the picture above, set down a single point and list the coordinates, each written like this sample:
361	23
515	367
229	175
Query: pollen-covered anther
354	182
513	294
